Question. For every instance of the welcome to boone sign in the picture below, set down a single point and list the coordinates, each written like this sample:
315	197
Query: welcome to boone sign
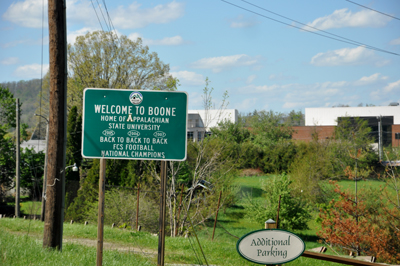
142	125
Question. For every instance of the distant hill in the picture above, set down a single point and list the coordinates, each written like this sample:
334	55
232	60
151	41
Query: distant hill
27	91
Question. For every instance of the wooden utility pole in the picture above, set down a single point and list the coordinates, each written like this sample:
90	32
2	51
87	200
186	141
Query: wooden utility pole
17	163
54	217
161	223
100	216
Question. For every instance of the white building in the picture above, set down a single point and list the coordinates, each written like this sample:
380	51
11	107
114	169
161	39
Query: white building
201	121
383	120
329	116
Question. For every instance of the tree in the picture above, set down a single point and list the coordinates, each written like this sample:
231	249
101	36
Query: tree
207	171
74	136
293	213
104	60
7	109
7	147
369	226
269	128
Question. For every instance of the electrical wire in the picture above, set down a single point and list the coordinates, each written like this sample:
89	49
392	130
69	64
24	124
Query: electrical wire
97	15
373	10
41	77
101	11
316	33
338	36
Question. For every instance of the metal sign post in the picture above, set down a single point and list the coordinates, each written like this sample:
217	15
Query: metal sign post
135	125
161	223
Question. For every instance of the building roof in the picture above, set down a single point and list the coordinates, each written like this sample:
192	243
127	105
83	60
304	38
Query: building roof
329	116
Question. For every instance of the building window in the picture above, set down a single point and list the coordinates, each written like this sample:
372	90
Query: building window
207	134
199	136
190	135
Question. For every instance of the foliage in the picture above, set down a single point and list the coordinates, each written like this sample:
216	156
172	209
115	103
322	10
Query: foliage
104	60
352	135
87	195
293	214
361	225
268	128
74	136
32	169
7	160
120	208
7	109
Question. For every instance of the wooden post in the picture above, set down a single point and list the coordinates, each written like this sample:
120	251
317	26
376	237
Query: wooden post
179	211
216	215
137	208
17	163
54	217
100	220
161	223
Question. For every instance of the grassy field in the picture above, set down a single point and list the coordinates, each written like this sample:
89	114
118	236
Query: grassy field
21	240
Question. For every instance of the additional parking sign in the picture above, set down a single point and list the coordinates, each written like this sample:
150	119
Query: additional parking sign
139	125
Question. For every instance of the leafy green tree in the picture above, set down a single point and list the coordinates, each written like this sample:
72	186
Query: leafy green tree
7	109
104	60
32	169
74	136
293	214
269	128
24	133
7	160
7	147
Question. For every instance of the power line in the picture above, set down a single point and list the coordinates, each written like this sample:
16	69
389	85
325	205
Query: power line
97	15
373	9
359	43
316	33
101	11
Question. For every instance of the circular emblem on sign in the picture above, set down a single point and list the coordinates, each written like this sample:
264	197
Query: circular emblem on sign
136	97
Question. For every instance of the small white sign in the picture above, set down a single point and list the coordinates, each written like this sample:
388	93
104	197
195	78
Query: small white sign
270	246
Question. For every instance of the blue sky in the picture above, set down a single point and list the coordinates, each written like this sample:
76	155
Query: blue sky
263	64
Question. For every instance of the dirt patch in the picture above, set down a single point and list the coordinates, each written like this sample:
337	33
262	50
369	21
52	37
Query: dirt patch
93	243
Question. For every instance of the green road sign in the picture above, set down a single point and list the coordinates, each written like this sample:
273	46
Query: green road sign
139	125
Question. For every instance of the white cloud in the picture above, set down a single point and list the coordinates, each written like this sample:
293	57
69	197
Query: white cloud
390	90
134	17
218	64
242	22
251	78
280	77
395	41
30	71
370	80
344	18
27	13
176	40
82	11
187	78
348	56
9	61
170	41
246	104
71	36
392	87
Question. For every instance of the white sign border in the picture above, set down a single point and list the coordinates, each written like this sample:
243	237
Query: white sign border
269	263
124	158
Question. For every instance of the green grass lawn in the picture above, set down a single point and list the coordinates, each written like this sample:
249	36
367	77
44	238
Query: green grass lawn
21	239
